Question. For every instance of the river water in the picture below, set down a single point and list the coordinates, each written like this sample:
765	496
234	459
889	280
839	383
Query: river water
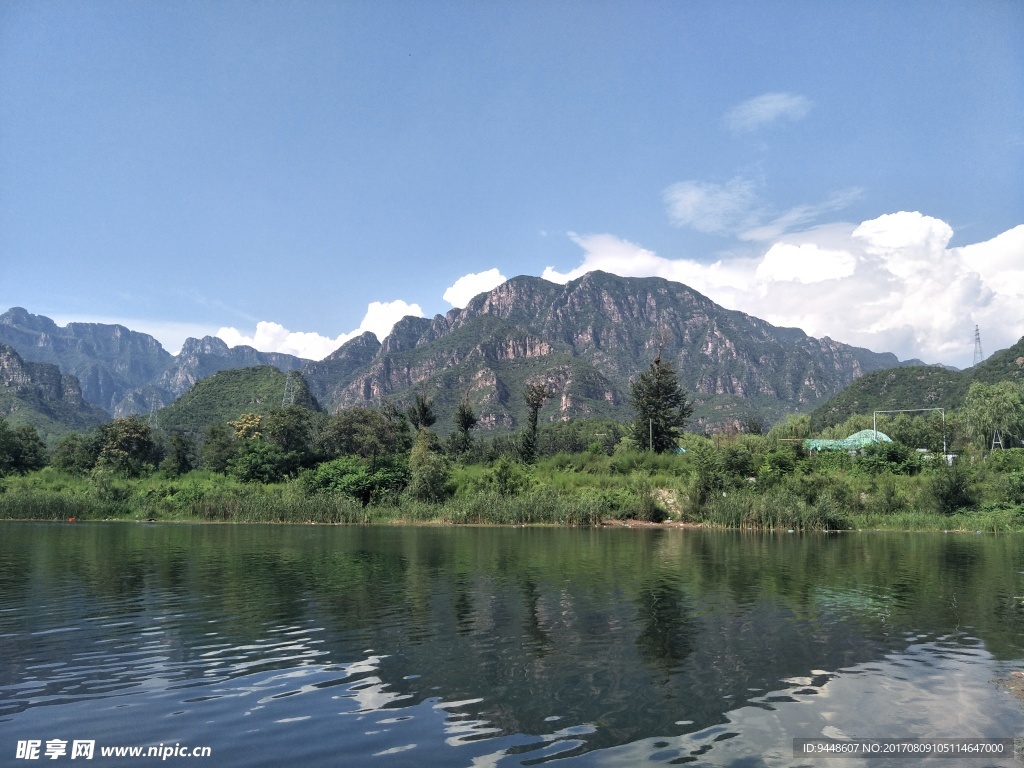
394	646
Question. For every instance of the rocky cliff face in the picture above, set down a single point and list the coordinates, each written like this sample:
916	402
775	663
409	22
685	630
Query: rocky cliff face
39	394
39	380
108	360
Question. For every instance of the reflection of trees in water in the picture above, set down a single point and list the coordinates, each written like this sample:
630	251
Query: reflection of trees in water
668	631
537	639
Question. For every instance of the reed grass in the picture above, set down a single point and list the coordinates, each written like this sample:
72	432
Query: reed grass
560	491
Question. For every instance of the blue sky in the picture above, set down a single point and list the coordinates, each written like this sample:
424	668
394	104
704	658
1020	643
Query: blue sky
286	173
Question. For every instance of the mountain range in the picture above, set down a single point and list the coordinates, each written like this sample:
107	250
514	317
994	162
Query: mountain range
586	340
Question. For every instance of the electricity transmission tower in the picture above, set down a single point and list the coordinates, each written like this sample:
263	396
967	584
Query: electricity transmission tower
289	390
154	405
978	355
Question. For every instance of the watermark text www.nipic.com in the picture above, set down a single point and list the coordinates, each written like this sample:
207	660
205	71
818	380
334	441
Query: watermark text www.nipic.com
53	749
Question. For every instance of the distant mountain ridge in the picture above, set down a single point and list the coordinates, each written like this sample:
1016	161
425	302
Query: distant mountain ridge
122	371
586	339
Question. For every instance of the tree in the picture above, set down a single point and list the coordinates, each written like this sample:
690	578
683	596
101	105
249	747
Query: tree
373	433
534	395
291	429
661	408
127	447
260	461
247	426
989	409
178	460
465	420
421	413
21	449
76	453
219	447
429	472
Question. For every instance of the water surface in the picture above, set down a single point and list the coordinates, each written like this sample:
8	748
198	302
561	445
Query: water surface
391	646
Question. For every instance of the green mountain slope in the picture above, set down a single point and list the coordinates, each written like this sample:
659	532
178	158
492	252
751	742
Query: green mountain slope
1002	365
926	386
918	387
226	395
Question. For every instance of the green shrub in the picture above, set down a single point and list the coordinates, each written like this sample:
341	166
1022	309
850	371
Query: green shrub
953	488
827	513
894	458
430	474
1009	460
777	465
505	478
886	496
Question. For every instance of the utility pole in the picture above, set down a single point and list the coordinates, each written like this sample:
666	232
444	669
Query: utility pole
978	355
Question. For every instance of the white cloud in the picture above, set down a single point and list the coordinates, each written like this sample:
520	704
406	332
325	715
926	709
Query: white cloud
726	278
766	109
709	207
889	284
799	216
380	318
466	287
735	208
805	263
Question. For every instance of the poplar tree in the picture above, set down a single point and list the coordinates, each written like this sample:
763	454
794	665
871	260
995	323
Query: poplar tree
465	420
534	395
421	413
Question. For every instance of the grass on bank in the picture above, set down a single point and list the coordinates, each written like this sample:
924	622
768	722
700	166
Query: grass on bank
705	486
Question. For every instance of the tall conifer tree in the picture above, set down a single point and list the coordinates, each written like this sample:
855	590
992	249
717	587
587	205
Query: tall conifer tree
661	408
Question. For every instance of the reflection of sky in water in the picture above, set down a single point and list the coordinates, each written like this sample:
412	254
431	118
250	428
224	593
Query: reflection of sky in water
939	689
933	691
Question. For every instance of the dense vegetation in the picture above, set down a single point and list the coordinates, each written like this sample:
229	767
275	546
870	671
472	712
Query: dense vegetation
296	463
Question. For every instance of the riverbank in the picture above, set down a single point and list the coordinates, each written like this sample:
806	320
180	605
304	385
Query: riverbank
565	490
531	509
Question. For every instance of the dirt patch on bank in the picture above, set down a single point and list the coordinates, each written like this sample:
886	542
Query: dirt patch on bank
612	523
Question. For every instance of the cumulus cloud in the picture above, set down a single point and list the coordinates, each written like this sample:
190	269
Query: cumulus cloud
466	287
727	279
889	284
766	109
379	319
806	263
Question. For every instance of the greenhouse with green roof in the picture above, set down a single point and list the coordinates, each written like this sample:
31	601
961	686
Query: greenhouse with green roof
854	442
